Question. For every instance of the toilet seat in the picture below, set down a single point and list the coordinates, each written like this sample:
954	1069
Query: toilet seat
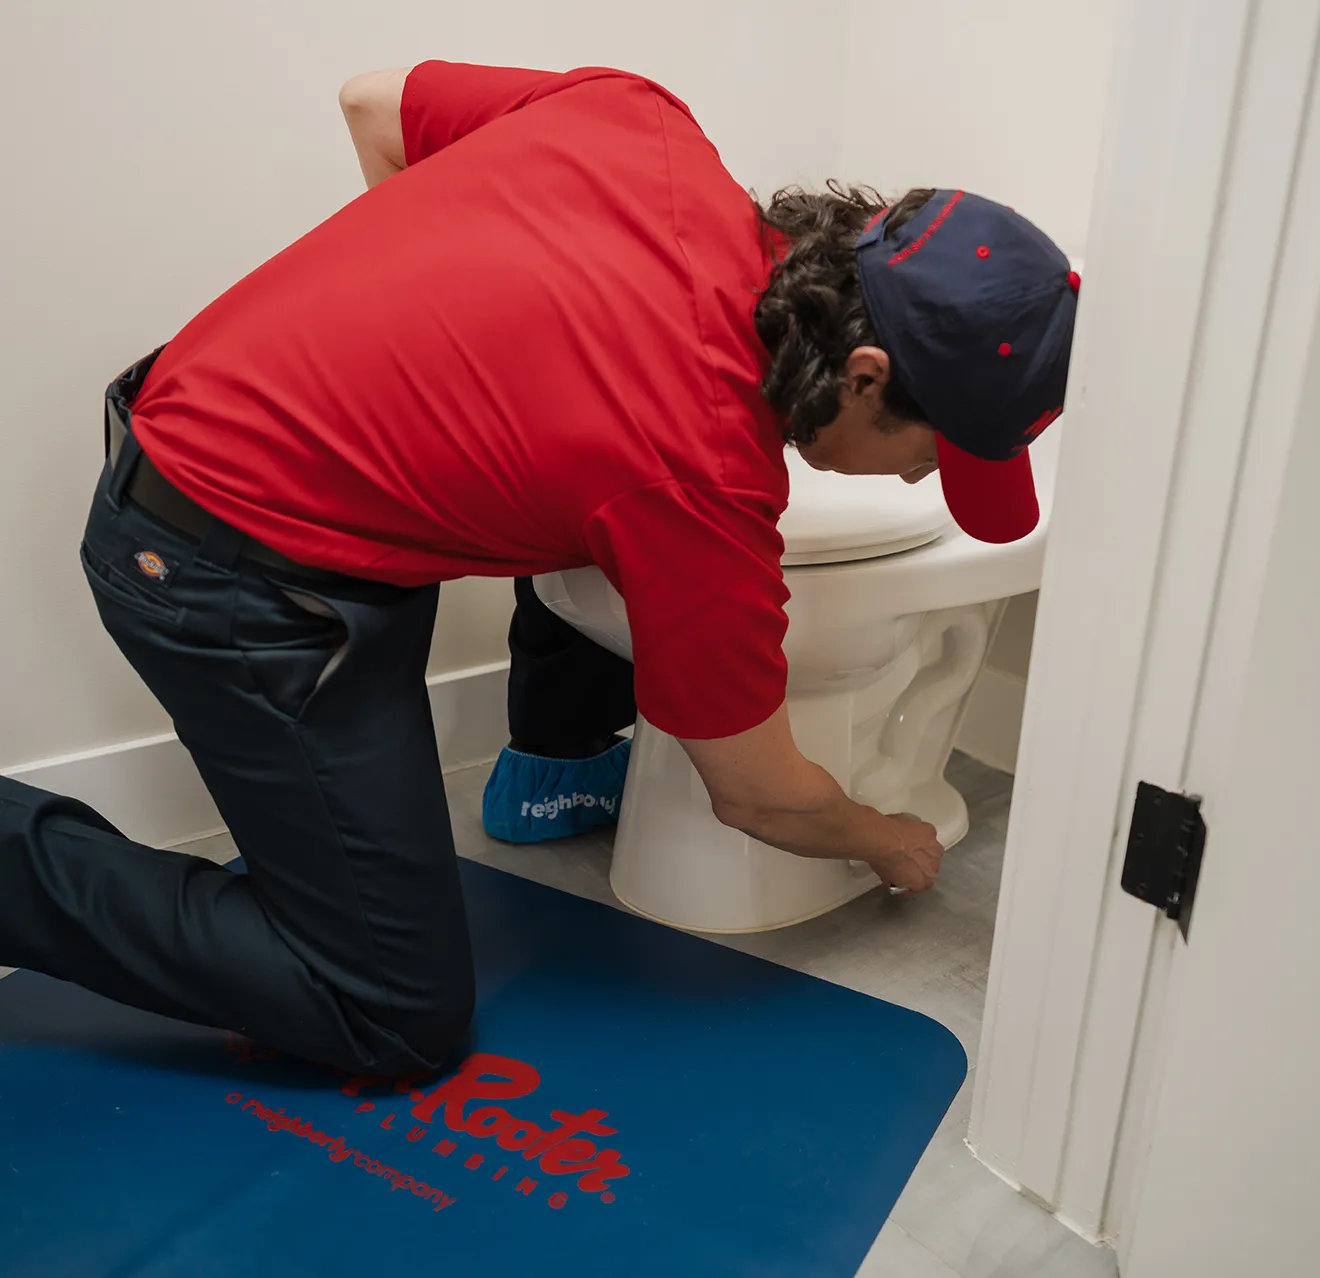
835	519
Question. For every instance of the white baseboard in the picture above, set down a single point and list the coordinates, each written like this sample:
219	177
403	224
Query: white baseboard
992	722
470	710
149	788
151	791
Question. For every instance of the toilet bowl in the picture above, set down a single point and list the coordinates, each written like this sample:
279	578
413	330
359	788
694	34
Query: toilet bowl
892	611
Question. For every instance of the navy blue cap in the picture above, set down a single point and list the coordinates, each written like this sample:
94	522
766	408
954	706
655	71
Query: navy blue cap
975	308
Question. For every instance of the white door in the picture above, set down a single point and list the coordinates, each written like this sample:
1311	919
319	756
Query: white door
1224	1167
1161	1094
1229	1184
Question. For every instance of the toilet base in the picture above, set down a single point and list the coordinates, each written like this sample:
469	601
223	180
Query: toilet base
940	804
863	883
886	738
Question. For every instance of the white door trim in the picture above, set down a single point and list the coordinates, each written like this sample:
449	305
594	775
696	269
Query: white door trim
1195	181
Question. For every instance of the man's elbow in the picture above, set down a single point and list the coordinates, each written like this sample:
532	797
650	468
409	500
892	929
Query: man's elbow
356	94
371	105
374	93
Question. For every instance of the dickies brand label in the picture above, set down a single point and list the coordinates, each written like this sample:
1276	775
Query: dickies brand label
150	564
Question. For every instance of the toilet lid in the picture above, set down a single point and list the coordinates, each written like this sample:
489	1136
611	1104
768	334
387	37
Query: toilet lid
834	519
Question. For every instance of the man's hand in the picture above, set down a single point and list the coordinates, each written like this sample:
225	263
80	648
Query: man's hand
760	783
915	862
370	103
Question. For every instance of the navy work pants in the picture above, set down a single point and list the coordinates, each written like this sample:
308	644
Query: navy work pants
303	704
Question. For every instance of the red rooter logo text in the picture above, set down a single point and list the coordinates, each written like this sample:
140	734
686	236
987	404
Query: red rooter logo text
561	1148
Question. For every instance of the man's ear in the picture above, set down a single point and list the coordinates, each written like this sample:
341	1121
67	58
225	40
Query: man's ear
867	368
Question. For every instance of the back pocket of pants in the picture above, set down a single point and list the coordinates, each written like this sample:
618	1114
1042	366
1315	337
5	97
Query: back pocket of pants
146	597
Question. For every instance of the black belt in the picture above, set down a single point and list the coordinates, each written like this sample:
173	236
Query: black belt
148	488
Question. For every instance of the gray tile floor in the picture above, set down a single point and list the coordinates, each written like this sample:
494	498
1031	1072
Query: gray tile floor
955	1219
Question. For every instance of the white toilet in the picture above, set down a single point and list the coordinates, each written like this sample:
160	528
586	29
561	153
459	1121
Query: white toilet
892	612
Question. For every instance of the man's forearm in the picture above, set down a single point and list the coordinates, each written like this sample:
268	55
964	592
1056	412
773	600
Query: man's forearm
760	783
827	825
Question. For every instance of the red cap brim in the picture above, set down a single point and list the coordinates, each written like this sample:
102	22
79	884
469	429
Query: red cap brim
992	501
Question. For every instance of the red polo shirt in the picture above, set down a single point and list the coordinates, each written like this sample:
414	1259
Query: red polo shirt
532	350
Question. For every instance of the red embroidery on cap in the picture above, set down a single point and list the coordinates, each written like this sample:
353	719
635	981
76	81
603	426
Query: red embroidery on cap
983	252
1041	422
920	242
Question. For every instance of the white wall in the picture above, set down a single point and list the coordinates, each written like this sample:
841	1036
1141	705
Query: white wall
156	151
1004	99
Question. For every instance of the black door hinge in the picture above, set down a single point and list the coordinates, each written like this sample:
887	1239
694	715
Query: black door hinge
1164	851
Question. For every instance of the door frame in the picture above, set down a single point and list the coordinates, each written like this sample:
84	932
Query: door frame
1187	371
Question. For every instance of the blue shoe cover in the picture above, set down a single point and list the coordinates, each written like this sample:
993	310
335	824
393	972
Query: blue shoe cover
530	799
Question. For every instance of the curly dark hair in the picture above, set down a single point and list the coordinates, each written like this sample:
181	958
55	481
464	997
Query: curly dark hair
811	316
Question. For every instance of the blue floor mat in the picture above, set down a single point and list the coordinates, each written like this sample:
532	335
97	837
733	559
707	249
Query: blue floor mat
640	1103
